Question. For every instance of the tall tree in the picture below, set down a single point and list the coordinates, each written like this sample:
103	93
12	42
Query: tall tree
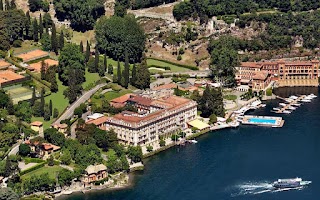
42	102
33	98
96	60
119	73
103	68
40	26
134	75
143	75
35	30
27	25
54	42
50	107
126	70
87	55
81	46
61	40
7	5
1	5
54	85
74	89
43	70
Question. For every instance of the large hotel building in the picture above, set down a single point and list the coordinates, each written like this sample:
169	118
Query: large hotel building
258	75
155	118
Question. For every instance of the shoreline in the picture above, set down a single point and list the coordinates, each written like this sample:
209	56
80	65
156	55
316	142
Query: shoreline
125	182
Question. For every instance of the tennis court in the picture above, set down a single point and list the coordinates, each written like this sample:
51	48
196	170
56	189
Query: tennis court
19	93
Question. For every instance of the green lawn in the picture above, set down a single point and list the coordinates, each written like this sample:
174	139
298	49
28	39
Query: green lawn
91	78
58	101
109	96
230	97
26	46
51	170
174	68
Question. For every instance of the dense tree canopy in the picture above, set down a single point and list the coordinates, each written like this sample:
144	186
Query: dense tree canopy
115	35
209	8
12	23
211	102
81	13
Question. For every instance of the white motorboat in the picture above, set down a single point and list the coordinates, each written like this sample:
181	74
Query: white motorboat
282	104
263	105
193	141
297	104
306	100
286	112
287	183
293	97
276	109
291	108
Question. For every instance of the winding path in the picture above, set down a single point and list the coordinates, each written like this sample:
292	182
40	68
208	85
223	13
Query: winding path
70	109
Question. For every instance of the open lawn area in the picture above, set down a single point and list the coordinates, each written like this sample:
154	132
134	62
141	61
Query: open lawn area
174	68
51	170
230	97
58	101
91	78
26	46
97	99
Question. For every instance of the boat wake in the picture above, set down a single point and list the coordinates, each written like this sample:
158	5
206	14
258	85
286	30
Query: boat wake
254	188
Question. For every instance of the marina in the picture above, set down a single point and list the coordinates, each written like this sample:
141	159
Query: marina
292	103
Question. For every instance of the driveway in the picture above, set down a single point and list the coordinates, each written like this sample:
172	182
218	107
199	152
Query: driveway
69	112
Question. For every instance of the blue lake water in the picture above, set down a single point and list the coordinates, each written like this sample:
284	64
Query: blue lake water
235	163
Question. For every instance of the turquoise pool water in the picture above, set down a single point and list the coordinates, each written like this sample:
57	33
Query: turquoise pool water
262	121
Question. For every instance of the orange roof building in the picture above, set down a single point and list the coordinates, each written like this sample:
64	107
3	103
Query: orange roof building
37	66
121	101
100	122
33	55
159	117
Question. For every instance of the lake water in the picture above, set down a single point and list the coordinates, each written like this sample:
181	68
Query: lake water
235	163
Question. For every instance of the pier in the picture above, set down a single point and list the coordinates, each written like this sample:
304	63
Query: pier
290	103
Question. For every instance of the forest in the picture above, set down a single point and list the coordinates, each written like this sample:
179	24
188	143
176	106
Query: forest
208	8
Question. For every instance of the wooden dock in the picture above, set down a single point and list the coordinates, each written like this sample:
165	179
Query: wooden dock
290	103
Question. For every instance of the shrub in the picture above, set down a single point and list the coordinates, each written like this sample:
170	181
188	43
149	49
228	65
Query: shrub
17	43
162	143
269	92
38	166
174	137
179	57
181	51
213	119
24	150
149	148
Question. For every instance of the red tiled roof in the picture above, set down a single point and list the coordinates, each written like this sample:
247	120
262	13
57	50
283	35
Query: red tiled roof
7	75
251	64
122	98
262	75
141	100
32	55
36	123
37	66
98	121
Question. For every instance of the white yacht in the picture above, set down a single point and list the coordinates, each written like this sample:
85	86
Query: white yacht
282	104
286	112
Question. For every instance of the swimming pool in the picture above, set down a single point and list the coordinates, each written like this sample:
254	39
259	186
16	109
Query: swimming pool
262	121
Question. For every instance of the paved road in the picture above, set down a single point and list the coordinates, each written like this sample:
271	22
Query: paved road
15	149
69	112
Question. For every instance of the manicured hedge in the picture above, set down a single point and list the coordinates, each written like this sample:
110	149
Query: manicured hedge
177	64
33	160
38	166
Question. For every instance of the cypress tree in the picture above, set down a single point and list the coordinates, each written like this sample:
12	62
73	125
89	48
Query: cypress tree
7	168
10	107
102	69
35	30
54	42
33	98
43	70
119	73
61	40
1	5
134	75
50	107
28	24
87	55
81	47
126	70
40	26
54	85
96	60
42	102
